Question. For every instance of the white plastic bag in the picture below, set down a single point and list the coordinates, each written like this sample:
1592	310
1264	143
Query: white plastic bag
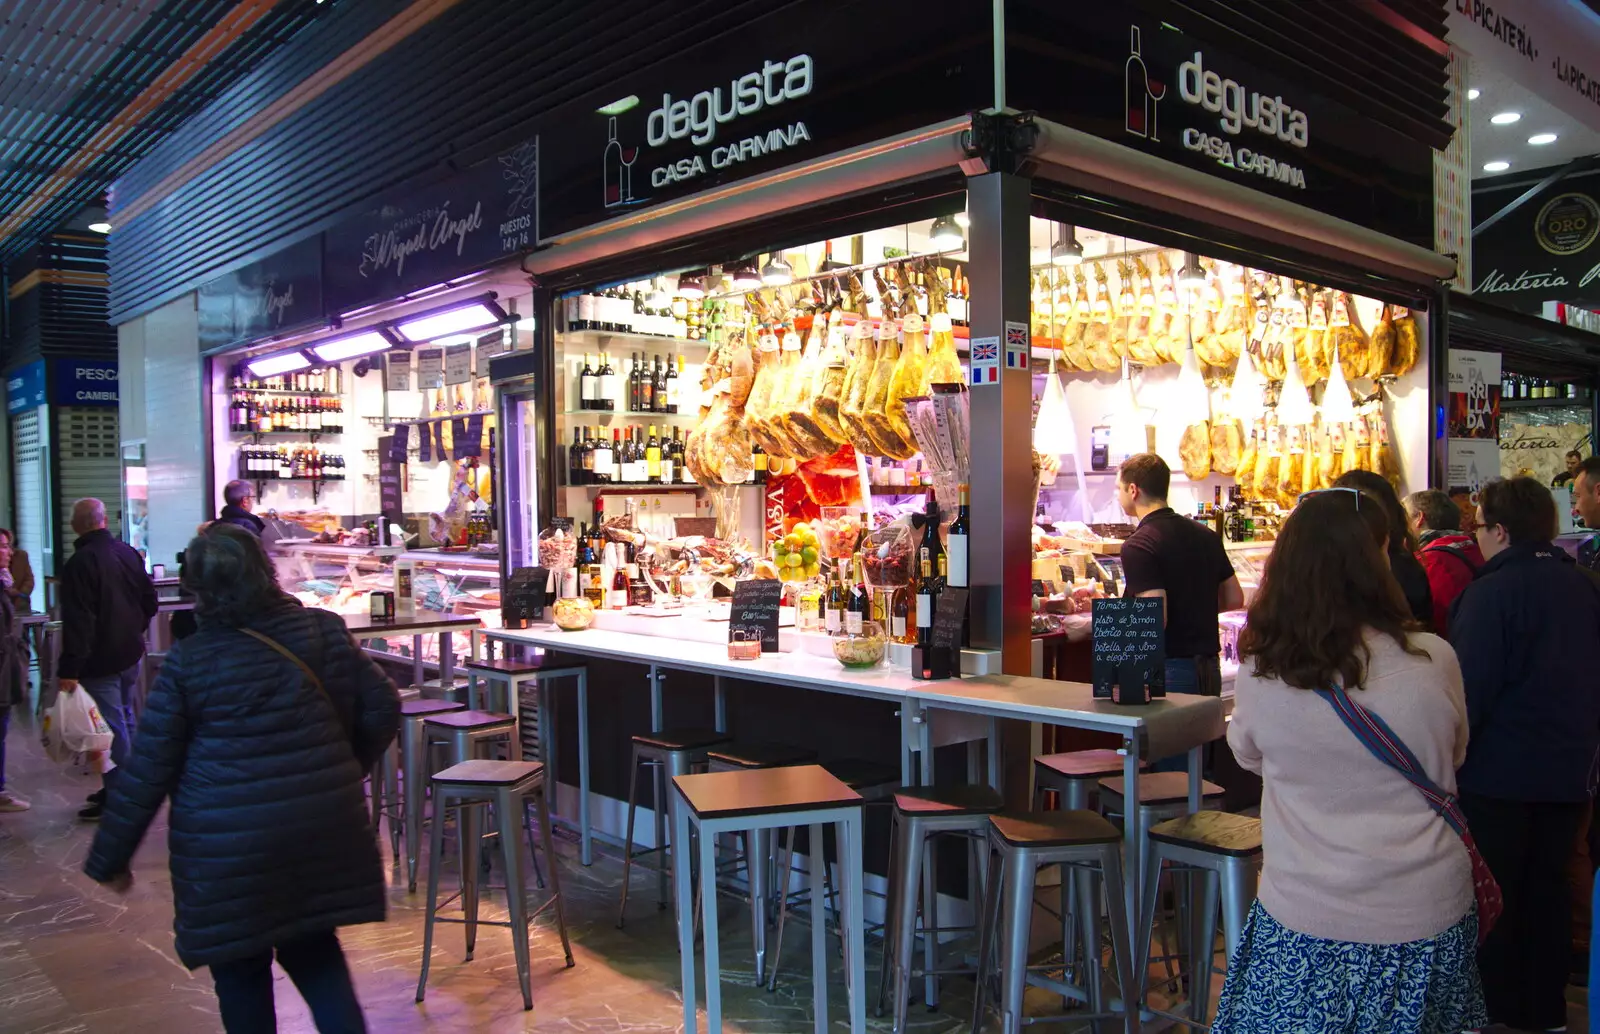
74	726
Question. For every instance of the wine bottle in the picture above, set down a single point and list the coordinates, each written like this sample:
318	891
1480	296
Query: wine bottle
758	457
602	461
857	607
658	387
647	388
607	390
902	628
669	381
633	384
833	616
928	588
588	385
617	598
957	547
652	458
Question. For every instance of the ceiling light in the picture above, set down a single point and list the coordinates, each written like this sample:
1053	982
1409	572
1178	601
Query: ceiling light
1540	139
459	318
283	362
1193	275
746	276
1496	166
1066	251
945	235
105	227
692	284
1474	94
777	272
363	342
1505	118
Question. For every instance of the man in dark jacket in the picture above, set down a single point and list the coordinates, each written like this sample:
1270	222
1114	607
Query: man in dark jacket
1586	500
1449	557
238	504
1527	632
107	601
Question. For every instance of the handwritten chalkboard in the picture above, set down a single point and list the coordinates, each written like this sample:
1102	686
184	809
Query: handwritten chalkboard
948	617
1129	650
755	611
522	601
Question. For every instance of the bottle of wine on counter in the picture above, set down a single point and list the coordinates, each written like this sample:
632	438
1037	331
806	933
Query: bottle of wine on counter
902	620
928	589
617	598
857	604
833	606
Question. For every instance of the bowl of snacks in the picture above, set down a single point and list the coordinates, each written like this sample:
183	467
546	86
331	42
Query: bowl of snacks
573	613
798	554
862	650
886	553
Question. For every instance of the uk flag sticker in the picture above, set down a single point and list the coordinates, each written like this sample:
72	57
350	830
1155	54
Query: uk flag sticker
1017	355
985	361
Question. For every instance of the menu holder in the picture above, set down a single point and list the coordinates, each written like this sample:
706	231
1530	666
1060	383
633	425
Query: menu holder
948	617
755	611
1129	650
523	599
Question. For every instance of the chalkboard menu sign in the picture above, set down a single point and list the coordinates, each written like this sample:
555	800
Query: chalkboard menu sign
1129	650
948	618
755	611
390	503
522	601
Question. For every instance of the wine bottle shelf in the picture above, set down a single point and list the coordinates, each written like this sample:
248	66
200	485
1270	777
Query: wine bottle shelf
569	338
280	391
311	435
631	414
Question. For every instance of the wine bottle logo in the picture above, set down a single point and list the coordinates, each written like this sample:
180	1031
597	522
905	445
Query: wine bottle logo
1141	97
618	169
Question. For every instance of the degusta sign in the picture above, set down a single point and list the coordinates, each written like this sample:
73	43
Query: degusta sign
1239	109
698	118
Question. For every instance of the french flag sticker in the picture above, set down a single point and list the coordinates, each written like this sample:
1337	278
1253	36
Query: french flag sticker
985	375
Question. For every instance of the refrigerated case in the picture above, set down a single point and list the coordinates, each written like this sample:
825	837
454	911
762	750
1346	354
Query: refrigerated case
523	416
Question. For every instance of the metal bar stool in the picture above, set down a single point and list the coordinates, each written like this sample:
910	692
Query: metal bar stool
766	799
497	685
1216	849
511	787
414	765
749	756
1162	796
876	783
1074	776
670	754
1088	849
919	815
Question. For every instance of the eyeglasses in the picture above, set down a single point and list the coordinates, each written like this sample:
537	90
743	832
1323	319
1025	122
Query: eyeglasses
1340	488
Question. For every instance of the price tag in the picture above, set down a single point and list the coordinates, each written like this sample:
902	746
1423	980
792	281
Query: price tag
458	364
1130	653
755	611
398	371
430	368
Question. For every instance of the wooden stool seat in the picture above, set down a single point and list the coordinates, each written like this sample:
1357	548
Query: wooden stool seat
465	719
682	739
479	772
1161	787
752	755
1219	831
1055	829
1083	764
949	800
422	707
763	791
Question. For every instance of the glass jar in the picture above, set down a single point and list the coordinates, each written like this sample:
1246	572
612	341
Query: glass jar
863	650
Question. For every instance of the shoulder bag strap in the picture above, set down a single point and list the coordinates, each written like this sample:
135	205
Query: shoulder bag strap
1375	734
305	669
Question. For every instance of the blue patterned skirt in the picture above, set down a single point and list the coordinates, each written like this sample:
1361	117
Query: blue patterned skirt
1283	982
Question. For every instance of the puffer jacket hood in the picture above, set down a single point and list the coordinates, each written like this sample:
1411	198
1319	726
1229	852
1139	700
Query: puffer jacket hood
270	836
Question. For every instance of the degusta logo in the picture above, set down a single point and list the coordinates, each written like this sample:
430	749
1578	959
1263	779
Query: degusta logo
698	117
1239	107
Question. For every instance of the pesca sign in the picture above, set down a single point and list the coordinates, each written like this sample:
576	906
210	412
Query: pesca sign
84	382
278	293
426	236
1548	250
1108	71
731	107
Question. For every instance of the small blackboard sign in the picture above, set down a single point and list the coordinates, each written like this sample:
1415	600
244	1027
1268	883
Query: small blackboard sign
1129	650
523	599
1039	588
755	611
948	617
391	504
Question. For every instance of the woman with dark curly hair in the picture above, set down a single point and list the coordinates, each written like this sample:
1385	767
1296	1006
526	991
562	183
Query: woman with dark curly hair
1365	923
259	729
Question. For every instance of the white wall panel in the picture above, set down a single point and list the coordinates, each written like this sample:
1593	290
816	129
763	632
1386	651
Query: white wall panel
174	450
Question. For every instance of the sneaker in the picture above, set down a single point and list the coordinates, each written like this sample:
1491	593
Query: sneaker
11	802
98	797
92	813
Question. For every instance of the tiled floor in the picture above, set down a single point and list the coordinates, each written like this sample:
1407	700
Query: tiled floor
75	957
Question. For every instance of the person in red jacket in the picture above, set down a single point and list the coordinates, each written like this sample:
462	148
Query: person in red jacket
1449	556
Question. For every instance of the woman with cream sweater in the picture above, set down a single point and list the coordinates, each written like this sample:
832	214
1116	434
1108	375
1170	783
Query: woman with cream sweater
1365	921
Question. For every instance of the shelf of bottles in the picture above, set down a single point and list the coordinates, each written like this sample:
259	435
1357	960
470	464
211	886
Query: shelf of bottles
651	386
1522	392
309	403
631	456
303	463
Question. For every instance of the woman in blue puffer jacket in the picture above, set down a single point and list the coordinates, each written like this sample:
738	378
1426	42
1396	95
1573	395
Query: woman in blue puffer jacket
260	729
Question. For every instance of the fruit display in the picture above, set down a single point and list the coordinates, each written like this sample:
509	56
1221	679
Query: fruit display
798	555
